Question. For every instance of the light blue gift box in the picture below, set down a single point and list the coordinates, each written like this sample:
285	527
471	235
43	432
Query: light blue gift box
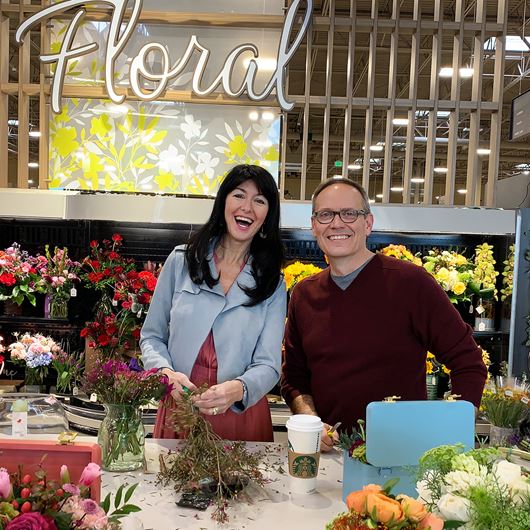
398	433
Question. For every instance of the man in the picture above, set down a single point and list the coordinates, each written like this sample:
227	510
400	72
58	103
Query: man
359	330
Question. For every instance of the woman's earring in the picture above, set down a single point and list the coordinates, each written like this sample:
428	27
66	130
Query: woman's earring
262	234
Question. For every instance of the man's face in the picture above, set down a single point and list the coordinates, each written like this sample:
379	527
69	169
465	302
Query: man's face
339	239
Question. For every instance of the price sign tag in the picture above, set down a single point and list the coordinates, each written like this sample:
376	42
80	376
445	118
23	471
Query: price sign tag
508	393
93	397
479	309
73	292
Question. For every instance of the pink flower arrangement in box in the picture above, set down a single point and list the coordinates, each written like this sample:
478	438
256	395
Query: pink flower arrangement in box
32	502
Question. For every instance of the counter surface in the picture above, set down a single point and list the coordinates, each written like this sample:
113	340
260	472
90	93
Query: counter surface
271	507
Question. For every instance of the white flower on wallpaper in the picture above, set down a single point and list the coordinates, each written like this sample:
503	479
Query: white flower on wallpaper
171	161
206	164
190	127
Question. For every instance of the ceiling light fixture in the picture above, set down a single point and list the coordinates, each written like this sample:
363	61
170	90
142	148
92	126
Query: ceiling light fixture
483	151
400	121
417	180
440	170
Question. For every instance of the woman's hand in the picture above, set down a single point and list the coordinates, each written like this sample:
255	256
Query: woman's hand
219	398
179	380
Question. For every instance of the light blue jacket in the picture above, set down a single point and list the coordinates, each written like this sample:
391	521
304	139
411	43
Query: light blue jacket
248	340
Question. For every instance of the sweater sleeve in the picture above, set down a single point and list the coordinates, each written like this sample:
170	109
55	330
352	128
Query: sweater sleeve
296	376
442	331
155	331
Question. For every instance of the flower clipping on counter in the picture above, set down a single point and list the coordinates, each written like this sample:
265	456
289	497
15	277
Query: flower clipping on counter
32	502
374	507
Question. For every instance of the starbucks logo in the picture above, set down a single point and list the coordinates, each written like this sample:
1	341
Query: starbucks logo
305	466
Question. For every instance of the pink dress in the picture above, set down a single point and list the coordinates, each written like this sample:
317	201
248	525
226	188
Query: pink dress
252	425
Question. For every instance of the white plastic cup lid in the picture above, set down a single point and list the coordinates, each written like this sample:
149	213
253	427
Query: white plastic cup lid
304	422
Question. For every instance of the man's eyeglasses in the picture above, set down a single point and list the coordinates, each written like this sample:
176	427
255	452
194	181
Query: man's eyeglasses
348	215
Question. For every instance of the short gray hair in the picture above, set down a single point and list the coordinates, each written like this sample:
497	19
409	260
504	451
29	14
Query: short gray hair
336	180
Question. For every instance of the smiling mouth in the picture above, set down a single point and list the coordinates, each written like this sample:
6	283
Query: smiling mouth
338	237
243	222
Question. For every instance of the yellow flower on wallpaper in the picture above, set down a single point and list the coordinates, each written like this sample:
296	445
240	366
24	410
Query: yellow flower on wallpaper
63	140
167	182
237	147
101	126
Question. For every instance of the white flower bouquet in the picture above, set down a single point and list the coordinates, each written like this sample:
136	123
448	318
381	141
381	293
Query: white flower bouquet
474	490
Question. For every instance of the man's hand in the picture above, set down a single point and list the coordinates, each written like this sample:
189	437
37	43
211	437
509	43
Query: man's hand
178	380
327	440
219	398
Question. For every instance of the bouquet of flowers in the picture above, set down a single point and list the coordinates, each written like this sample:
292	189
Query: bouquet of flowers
474	490
69	368
374	507
123	388
59	275
485	275
401	252
104	267
297	271
134	293
36	353
19	275
355	443
112	334
35	502
453	272
505	403
507	274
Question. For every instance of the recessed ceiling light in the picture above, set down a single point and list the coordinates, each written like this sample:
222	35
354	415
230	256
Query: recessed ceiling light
396	188
354	167
33	164
440	170
462	191
446	71
483	151
400	121
417	180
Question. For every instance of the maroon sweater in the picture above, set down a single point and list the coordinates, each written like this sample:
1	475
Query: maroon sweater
348	348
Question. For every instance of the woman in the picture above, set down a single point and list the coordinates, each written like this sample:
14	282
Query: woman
218	311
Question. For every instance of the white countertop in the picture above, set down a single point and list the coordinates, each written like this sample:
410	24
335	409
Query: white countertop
266	508
269	508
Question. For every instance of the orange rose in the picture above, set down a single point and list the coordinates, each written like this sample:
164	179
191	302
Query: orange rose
384	508
431	522
356	500
413	510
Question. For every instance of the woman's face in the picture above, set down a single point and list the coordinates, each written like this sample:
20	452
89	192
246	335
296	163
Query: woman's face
245	211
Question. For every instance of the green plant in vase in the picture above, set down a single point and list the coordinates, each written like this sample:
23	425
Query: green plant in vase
122	389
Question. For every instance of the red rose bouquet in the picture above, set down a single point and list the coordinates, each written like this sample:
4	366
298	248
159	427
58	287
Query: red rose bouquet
19	275
104	267
32	502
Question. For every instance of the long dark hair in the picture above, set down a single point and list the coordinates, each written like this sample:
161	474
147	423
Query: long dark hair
267	252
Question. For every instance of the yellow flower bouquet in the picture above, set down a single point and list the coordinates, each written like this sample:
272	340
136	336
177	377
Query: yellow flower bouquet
297	271
485	274
453	272
401	252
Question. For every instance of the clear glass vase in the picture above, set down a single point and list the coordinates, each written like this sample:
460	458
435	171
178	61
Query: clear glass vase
500	436
58	306
122	438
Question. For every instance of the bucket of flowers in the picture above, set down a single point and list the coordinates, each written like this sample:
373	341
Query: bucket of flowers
401	252
60	274
474	490
35	353
32	501
297	271
19	278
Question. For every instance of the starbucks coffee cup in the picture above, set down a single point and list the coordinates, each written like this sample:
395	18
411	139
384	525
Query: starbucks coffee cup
303	435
